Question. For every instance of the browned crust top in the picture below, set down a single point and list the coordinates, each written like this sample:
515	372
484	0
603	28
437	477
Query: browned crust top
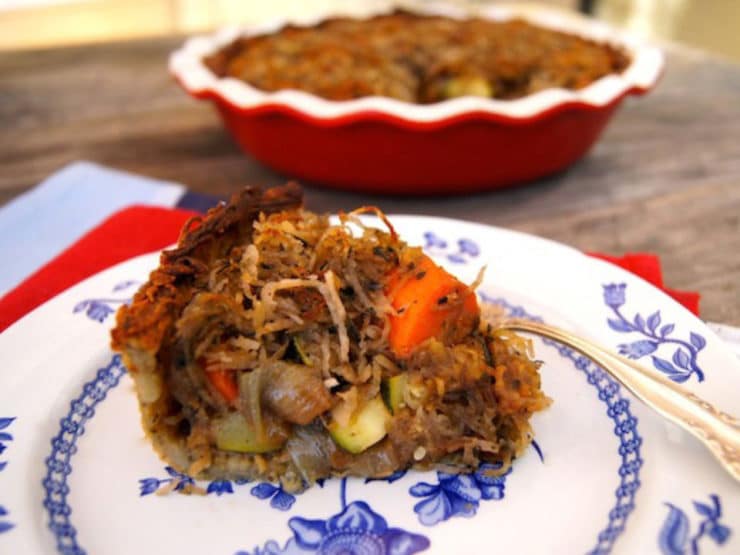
417	58
156	306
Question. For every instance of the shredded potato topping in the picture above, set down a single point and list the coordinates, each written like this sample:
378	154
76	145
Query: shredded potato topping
273	345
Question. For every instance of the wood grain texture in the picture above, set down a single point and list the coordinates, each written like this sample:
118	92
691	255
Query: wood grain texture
665	177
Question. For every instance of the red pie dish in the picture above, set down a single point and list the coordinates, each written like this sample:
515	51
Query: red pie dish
387	145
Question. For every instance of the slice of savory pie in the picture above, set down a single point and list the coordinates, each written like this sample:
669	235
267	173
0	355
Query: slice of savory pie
272	345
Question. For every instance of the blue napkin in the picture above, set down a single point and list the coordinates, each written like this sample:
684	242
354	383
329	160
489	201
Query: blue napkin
41	223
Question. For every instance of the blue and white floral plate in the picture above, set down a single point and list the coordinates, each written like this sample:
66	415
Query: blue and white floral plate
605	476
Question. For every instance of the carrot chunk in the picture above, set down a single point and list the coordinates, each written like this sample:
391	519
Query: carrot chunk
430	302
224	382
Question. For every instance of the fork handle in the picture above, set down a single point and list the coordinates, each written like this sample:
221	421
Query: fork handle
719	431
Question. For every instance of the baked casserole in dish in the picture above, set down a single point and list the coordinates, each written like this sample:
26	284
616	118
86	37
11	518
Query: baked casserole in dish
439	100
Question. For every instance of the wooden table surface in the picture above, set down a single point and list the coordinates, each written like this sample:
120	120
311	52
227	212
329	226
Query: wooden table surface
664	178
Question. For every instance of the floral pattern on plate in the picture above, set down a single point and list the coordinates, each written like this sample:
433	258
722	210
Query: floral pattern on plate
683	364
355	529
98	309
5	436
675	537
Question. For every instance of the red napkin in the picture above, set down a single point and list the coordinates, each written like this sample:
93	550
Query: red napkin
127	233
647	266
142	229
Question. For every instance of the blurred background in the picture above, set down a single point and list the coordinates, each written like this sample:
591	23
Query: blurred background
712	25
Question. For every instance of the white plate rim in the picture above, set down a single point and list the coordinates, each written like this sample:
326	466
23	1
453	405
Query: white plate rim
431	223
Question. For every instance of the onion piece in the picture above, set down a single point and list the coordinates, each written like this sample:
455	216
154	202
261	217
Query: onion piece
296	392
148	386
310	449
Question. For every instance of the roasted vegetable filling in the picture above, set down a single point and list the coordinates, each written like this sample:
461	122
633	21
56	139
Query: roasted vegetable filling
303	350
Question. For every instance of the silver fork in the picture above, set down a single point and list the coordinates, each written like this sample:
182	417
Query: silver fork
718	431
